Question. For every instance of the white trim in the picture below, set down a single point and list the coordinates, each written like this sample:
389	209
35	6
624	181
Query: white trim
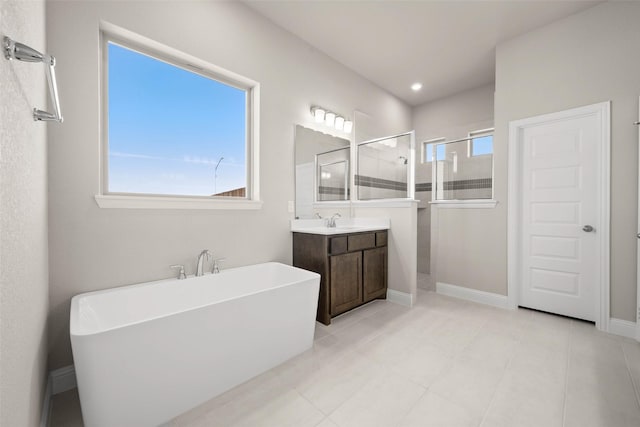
146	46
112	201
332	204
46	404
384	203
58	381
516	127
465	204
474	295
638	246
401	298
63	379
624	328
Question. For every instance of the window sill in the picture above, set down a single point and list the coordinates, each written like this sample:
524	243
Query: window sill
384	203
112	201
465	204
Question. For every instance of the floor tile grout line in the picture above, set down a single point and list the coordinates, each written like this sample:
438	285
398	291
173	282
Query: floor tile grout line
633	382
404	417
566	375
324	416
493	396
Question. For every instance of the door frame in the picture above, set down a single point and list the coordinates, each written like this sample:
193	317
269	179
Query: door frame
638	255
514	215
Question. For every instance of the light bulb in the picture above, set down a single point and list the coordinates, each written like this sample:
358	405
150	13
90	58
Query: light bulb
348	126
318	114
339	122
330	118
416	87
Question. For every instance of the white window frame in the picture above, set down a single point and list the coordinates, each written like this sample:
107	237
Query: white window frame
478	134
145	46
433	141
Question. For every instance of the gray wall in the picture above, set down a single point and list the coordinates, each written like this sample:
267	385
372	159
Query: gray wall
93	248
584	59
24	291
455	255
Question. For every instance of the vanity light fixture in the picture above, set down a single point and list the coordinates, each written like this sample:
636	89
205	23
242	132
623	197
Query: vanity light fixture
416	86
318	113
331	119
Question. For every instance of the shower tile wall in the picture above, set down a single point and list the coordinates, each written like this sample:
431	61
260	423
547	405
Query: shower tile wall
471	178
381	173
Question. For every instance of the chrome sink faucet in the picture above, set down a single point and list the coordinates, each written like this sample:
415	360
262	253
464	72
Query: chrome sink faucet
200	263
331	223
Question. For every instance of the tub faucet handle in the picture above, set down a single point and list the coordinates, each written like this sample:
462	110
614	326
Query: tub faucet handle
181	274
216	268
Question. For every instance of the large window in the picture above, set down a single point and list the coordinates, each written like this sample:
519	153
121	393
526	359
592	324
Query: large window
175	128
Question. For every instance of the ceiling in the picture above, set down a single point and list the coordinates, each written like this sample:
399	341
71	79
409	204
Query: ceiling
448	46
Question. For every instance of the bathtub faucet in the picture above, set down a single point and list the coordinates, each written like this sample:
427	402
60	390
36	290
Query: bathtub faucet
200	263
332	221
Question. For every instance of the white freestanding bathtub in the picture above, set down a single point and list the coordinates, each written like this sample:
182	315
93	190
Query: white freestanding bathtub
146	353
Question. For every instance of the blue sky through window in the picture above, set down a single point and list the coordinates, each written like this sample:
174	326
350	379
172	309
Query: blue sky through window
168	127
482	145
429	152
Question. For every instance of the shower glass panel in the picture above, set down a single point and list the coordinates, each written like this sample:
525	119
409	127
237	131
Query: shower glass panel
464	172
333	175
383	168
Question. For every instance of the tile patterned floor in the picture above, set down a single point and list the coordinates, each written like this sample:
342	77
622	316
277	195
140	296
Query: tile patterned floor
445	362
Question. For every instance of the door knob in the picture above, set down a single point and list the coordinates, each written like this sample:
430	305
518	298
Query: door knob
587	228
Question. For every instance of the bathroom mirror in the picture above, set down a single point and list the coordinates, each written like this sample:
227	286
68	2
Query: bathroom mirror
332	175
322	164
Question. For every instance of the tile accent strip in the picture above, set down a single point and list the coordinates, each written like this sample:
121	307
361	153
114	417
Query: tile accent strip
463	184
331	190
423	186
369	181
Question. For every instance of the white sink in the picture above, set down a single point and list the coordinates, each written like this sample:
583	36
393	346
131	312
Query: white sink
346	225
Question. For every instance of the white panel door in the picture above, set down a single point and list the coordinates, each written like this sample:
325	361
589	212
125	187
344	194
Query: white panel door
559	206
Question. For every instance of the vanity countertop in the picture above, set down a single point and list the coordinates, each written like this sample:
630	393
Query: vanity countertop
343	226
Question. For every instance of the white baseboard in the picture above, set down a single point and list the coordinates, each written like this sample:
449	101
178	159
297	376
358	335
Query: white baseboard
63	379
474	295
58	381
401	298
46	404
623	328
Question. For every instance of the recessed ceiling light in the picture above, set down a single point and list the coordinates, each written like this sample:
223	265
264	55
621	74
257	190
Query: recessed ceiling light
416	87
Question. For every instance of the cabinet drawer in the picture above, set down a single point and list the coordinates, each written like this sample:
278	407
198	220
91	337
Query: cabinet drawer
338	245
381	238
361	241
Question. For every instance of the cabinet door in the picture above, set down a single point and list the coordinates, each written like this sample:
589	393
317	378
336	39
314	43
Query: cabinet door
346	282
375	273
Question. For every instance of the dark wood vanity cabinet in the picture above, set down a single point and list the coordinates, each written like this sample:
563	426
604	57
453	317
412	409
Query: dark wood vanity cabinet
353	268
